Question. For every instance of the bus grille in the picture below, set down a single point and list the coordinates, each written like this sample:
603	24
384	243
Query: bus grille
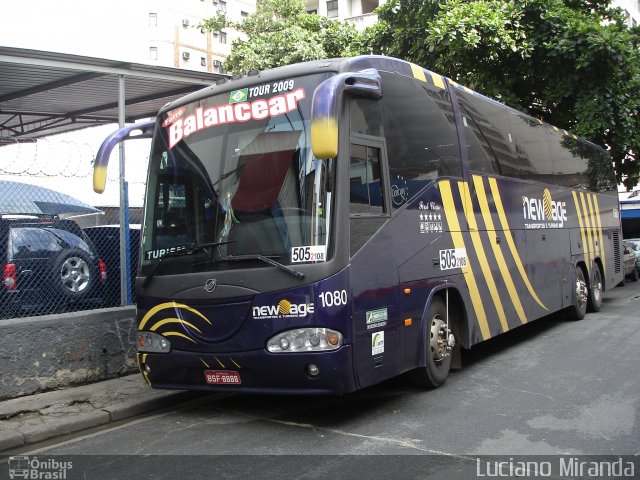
616	251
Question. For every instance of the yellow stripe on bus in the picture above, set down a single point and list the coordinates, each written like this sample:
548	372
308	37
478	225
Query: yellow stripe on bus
166	305
418	72
437	80
458	242
497	252
512	246
587	227
594	229
480	253
165	321
581	224
177	334
604	255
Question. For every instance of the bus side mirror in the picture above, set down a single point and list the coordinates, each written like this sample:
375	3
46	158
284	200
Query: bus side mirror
138	130
327	100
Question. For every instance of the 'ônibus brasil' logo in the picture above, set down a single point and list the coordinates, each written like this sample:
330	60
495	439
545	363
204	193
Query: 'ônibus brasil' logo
237	111
546	211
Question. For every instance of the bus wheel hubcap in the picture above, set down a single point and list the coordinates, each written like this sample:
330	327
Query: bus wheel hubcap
581	291
441	339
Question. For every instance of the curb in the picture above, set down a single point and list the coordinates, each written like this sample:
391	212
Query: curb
23	435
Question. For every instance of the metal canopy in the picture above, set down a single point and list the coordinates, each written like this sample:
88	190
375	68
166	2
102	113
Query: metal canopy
44	93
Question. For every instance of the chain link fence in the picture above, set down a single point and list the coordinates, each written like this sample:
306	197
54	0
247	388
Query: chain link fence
59	253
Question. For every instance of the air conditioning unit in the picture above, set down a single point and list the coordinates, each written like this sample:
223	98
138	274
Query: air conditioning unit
185	55
185	22
217	63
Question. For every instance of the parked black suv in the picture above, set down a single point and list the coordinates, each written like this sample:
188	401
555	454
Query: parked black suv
106	239
48	265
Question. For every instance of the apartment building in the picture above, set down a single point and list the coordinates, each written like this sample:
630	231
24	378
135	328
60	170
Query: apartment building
173	39
359	12
156	32
631	9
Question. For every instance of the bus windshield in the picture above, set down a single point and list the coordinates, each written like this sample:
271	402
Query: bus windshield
234	172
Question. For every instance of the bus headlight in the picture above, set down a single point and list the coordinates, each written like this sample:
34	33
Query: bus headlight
153	343
305	340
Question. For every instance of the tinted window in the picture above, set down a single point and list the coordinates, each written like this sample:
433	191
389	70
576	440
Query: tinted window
28	242
35	241
479	153
365	180
420	134
366	118
578	164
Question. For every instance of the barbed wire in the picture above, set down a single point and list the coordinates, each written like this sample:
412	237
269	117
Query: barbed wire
53	158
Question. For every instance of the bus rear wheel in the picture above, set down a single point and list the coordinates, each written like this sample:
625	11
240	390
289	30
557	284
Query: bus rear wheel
595	292
579	308
439	341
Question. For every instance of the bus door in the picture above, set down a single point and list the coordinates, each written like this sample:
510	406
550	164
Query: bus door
374	272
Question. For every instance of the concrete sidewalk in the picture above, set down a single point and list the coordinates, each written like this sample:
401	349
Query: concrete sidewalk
39	417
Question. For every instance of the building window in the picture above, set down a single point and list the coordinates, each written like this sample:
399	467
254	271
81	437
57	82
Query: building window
222	5
203	61
223	37
153	19
153	53
244	14
332	8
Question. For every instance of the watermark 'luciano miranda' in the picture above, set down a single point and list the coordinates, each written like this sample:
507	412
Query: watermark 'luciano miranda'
562	466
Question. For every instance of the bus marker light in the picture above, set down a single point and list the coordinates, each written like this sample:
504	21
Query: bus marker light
408	322
407	291
332	338
313	370
153	342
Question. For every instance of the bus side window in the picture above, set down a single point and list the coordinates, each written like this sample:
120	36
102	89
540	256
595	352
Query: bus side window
420	134
479	153
365	183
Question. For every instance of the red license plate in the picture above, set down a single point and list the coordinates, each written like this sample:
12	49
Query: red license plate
222	377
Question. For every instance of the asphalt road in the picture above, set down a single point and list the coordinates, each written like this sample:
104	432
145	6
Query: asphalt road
554	387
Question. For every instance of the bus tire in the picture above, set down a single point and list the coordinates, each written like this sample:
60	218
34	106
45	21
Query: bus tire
595	292
436	369
579	308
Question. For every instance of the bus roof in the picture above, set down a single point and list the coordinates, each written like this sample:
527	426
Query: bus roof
350	64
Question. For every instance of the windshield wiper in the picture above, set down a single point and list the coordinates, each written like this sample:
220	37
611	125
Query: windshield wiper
179	253
266	259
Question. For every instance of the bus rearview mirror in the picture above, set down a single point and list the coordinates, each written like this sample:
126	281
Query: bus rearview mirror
327	100
130	132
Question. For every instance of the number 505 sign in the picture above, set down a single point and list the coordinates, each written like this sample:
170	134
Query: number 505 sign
453	258
316	253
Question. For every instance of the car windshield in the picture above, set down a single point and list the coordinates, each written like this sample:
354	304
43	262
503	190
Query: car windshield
236	170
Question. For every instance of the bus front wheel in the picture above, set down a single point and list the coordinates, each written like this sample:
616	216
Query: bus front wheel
439	342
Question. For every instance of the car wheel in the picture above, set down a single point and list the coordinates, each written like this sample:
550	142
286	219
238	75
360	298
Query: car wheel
438	343
73	274
634	275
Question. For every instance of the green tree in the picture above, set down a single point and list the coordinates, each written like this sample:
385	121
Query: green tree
572	63
281	32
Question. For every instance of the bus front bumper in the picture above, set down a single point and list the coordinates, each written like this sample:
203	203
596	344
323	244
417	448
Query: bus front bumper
255	371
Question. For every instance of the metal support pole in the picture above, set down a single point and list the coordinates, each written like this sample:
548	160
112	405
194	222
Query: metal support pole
125	248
